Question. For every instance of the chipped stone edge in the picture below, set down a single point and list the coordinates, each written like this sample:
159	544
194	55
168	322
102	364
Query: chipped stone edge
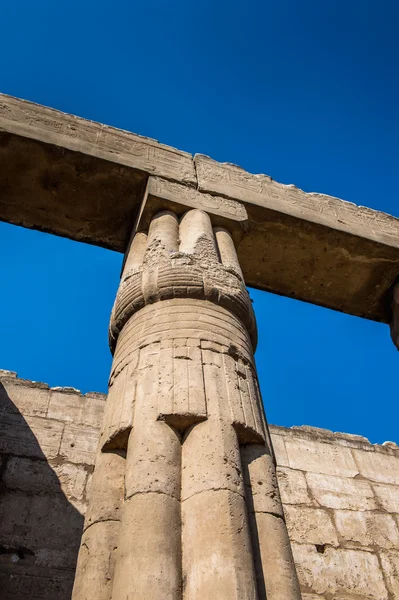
103	126
6	374
292	186
335	437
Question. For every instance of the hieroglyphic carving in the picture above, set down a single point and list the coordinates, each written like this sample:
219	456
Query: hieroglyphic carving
261	190
181	395
186	198
48	125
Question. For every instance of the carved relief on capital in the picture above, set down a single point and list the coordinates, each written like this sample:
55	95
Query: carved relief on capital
185	258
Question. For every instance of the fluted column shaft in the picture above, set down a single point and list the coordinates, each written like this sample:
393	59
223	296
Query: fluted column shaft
185	476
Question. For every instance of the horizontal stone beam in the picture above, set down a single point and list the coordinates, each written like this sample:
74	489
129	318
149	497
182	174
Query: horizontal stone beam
86	181
77	178
310	246
162	194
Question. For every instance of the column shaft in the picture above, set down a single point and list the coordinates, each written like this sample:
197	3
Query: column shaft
149	552
217	554
185	502
274	563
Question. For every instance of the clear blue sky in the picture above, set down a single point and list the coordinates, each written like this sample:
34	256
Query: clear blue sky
306	92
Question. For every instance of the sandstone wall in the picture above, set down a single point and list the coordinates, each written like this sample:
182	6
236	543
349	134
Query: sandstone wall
341	501
48	439
340	495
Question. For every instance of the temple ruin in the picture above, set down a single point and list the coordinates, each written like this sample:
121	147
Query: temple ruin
174	486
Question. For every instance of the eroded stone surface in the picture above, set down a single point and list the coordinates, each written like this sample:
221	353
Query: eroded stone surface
369	529
337	572
378	466
16	436
280	451
350	525
44	497
341	492
293	486
79	444
42	494
29	398
77	409
310	526
318	457
390	564
387	496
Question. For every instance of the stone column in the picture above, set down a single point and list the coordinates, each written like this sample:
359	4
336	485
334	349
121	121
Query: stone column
185	501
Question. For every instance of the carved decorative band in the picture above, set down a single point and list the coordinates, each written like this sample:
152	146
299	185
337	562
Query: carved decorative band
182	260
182	319
184	338
169	282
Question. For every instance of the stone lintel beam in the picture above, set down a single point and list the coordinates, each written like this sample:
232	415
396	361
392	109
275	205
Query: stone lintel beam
162	194
77	178
86	181
310	246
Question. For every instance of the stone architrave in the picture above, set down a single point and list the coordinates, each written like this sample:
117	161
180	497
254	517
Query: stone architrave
394	324
184	501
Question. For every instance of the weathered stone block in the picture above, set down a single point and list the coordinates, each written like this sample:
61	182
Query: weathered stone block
378	466
40	523
5	373
293	487
318	457
37	506
33	436
79	444
279	450
275	565
367	528
32	476
155	521
340	572
73	480
387	497
75	408
35	587
107	489
390	565
26	397
310	526
99	174
216	546
341	492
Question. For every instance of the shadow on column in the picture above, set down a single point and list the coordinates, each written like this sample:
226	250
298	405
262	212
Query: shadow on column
274	564
40	529
260	577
